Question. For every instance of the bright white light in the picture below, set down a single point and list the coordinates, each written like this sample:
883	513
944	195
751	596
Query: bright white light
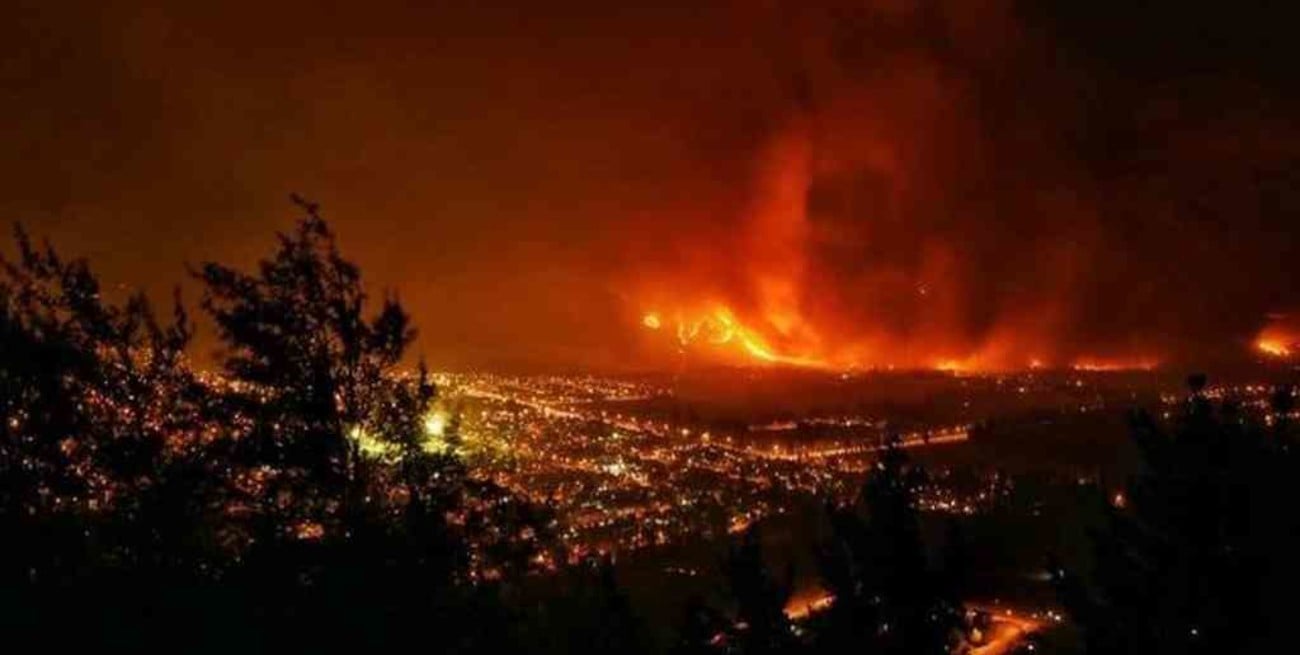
435	424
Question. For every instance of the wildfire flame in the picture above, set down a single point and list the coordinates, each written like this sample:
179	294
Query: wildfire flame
1273	348
781	289
721	329
1101	365
1280	338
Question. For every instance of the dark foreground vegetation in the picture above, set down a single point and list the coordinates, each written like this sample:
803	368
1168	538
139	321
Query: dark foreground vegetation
298	502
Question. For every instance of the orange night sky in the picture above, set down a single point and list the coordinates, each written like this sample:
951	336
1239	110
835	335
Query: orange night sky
858	184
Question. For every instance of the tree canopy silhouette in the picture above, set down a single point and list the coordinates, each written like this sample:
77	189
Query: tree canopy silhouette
310	483
1200	558
316	372
106	467
888	597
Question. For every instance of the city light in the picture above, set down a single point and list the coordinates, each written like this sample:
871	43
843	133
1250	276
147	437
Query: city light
435	424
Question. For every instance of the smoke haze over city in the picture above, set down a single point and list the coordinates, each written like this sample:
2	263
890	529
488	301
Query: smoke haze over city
967	184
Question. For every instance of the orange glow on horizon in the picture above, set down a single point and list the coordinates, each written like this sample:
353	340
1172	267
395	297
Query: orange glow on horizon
1273	348
953	366
779	290
718	332
1109	365
1280	338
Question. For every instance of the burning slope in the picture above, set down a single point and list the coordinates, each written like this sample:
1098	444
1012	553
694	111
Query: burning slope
721	330
1273	347
1279	339
801	286
720	333
930	191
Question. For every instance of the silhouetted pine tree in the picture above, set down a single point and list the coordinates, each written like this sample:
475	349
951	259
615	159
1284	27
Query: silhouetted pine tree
1202	556
315	372
887	596
104	469
761	626
584	610
349	489
303	501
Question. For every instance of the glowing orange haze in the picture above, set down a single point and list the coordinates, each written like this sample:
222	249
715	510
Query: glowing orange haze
1273	347
1280	338
720	333
772	310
